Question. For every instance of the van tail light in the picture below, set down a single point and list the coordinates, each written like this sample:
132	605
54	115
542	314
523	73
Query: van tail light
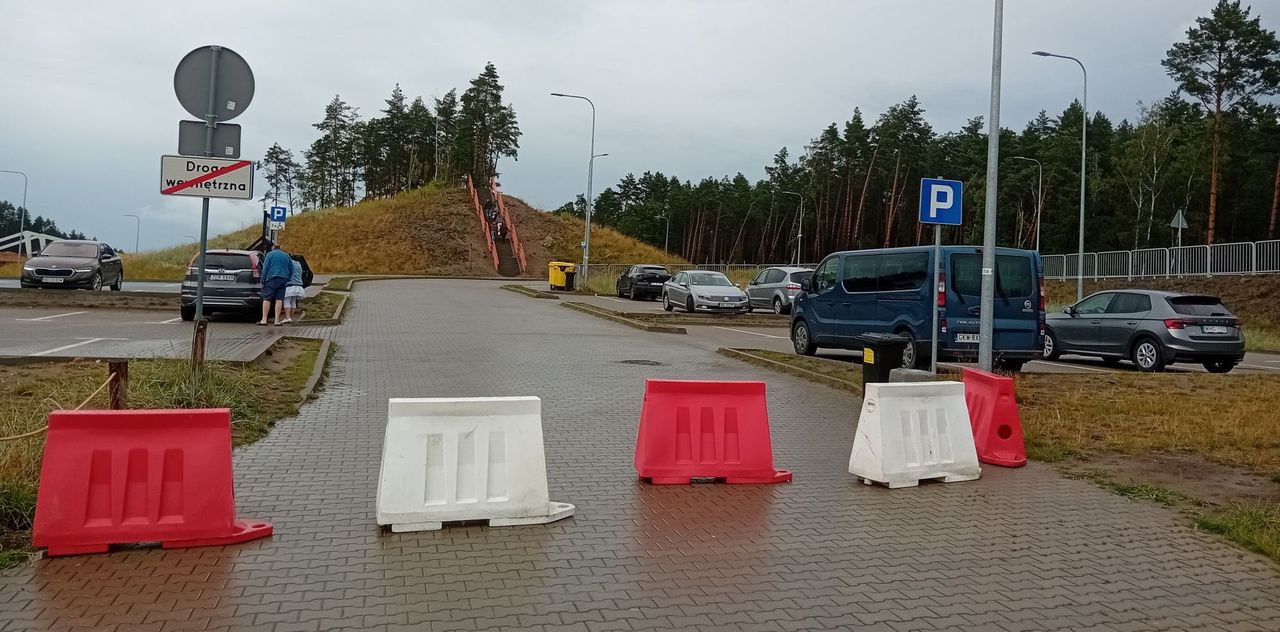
942	325
1174	323
793	286
942	289
1042	302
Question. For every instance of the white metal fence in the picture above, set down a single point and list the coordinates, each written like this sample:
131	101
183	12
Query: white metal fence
1256	257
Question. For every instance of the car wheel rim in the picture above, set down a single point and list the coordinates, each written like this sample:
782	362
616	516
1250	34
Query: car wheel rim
909	356
1048	345
1146	355
97	283
802	338
777	306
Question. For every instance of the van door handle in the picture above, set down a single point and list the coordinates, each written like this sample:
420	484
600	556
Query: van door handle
1095	322
1130	322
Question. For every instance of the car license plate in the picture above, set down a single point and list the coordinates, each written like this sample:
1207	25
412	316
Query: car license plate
726	305
222	277
53	279
967	338
1215	329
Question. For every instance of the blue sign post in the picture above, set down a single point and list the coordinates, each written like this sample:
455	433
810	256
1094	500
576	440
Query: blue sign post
941	203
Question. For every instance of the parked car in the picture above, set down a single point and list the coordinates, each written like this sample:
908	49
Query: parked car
1151	329
643	281
232	283
776	288
74	263
893	291
703	291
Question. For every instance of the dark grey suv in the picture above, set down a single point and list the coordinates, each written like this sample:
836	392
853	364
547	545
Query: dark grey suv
1152	329
232	283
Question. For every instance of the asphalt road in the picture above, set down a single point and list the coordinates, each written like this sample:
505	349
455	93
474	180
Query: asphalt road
129	286
104	333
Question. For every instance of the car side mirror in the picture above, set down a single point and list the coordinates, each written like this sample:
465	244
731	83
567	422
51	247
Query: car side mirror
1069	310
103	257
806	285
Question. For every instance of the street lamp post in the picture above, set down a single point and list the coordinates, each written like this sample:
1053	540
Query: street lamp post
22	221
986	302
137	233
586	231
1084	148
799	224
1039	194
666	240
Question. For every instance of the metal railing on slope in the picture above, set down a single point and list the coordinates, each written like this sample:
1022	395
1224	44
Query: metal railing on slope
511	226
484	224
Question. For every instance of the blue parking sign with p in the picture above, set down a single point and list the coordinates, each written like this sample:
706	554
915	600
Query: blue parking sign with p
278	213
940	201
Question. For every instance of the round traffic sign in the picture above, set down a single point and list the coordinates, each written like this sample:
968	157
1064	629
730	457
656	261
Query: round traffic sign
232	86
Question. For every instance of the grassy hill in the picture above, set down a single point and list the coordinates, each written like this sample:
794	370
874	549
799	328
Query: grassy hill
426	231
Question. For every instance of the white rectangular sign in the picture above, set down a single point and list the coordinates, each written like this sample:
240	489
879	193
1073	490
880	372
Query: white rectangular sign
206	177
274	225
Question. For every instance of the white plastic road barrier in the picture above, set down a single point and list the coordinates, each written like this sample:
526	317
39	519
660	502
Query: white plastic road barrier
468	458
909	432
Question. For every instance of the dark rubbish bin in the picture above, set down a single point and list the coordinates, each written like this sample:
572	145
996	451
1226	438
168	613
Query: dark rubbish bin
568	278
881	353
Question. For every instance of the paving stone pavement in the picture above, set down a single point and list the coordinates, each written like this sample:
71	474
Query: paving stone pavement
1018	550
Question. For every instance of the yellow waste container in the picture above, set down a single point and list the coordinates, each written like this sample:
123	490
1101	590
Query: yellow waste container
560	275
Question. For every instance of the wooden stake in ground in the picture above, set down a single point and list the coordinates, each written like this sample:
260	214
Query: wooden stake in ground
197	352
118	373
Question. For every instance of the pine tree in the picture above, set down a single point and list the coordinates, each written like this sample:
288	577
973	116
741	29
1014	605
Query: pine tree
487	129
1226	62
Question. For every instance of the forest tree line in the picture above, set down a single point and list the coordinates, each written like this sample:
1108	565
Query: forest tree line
408	146
11	221
1210	149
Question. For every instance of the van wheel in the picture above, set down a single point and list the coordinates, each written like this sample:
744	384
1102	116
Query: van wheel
779	308
188	312
801	340
911	354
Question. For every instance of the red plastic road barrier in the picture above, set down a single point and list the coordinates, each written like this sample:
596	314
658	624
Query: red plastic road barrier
693	429
124	476
993	413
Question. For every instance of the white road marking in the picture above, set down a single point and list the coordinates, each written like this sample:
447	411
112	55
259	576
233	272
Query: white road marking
164	322
616	300
49	317
740	331
83	341
1073	366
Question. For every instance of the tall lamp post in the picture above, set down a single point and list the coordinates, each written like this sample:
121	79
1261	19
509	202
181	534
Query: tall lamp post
1039	194
799	224
1084	148
586	231
137	233
666	240
22	221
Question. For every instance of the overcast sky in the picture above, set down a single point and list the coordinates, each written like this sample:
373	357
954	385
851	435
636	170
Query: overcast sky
692	88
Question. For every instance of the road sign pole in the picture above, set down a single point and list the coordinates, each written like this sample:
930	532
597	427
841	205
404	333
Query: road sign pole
210	122
986	322
937	268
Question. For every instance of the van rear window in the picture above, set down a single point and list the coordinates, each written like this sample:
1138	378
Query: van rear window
1014	276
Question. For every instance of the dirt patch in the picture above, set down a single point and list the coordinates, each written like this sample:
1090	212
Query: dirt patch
1188	474
283	355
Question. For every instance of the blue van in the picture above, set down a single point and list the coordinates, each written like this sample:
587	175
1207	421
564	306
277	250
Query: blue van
892	291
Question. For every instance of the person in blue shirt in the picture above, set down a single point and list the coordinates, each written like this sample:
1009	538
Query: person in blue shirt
277	267
293	292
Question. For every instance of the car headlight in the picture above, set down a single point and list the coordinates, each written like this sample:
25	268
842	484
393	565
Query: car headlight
84	269
28	269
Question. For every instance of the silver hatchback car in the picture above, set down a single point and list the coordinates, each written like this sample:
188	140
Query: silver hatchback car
1152	329
776	288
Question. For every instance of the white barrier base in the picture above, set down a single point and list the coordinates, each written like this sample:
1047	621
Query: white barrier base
458	460
555	511
909	432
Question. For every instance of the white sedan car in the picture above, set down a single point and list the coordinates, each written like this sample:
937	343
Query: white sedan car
703	291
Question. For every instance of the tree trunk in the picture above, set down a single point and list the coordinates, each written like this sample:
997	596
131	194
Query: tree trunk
893	199
862	198
1275	204
1213	171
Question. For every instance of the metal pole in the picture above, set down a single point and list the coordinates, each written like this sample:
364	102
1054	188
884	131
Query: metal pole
22	215
987	304
137	233
938	288
210	122
1084	149
586	229
666	241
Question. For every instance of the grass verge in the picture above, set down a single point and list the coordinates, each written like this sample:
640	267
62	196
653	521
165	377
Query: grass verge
826	372
322	306
258	394
1255	526
532	292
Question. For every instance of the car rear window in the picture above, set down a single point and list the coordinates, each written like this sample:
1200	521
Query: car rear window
226	261
1198	306
654	270
1014	276
797	277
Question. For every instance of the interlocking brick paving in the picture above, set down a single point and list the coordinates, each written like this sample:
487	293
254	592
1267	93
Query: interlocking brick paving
1018	550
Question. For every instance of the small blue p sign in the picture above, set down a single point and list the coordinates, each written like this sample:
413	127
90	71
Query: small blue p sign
278	213
941	201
